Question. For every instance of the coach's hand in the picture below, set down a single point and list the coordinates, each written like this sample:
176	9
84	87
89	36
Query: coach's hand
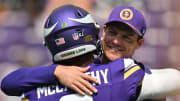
75	78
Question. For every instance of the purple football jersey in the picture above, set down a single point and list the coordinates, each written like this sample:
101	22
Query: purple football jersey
118	82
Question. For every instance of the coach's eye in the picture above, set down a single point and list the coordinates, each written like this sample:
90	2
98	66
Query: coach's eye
112	33
127	38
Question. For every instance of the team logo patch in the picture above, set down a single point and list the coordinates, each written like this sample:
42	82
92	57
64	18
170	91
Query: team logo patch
60	41
126	14
88	38
77	35
63	25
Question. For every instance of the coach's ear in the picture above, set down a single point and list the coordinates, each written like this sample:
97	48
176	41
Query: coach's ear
140	42
104	28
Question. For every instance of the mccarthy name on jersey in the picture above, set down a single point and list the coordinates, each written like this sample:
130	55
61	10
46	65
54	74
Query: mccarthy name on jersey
118	82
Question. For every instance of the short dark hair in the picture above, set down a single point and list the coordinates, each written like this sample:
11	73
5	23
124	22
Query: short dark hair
123	26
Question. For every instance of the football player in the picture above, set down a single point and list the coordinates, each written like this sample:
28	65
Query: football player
123	34
71	36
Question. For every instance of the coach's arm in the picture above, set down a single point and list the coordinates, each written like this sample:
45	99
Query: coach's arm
160	84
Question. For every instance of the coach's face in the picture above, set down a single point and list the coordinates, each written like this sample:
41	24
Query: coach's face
119	40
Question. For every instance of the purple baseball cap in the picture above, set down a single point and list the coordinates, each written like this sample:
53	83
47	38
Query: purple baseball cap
130	16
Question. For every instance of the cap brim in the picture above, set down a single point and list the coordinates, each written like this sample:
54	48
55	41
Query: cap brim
130	25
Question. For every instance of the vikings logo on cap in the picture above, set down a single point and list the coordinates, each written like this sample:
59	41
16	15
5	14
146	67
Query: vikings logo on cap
126	14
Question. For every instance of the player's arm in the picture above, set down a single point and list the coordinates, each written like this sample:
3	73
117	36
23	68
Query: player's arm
160	84
25	79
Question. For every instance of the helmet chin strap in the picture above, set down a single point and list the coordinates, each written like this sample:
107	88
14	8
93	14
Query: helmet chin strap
98	48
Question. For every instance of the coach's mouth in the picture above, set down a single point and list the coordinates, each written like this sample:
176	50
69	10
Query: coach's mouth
115	48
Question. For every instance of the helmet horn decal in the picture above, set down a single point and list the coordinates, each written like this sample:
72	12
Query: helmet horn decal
47	31
87	19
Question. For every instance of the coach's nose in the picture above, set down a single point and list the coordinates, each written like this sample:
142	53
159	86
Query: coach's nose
117	40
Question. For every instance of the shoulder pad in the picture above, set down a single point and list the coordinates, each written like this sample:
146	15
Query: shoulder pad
128	63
